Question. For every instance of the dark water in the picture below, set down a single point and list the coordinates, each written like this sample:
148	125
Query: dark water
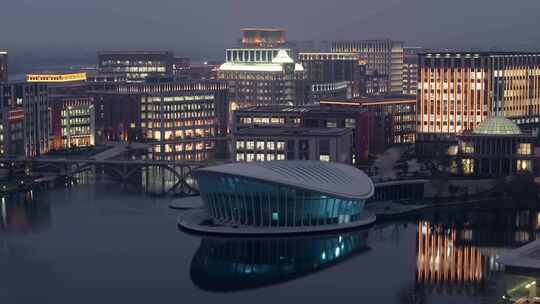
102	244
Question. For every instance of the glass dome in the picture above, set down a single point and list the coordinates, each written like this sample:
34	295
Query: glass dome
497	125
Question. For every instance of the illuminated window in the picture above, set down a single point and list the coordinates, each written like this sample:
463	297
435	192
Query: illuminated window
280	157
468	166
270	145
270	157
280	145
350	123
467	147
260	145
523	165
325	158
524	149
240	157
240	144
250	145
250	157
260	157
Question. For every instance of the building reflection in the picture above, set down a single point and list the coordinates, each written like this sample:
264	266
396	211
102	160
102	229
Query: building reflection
231	264
441	261
457	254
20	213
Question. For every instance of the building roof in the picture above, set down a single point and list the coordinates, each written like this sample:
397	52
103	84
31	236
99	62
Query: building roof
332	179
497	125
311	108
282	57
257	67
468	54
292	131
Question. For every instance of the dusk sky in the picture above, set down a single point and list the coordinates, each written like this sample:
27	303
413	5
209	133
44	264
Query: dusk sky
202	28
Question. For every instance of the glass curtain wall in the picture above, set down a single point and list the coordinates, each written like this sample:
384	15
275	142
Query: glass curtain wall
241	201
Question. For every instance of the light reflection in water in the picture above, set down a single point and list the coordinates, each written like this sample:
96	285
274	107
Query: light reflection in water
230	264
20	213
457	254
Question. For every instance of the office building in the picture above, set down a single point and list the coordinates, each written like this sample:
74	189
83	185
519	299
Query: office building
410	69
184	120
3	66
25	119
262	76
71	107
308	194
189	120
457	91
339	75
496	148
293	143
384	63
311	117
136	66
394	117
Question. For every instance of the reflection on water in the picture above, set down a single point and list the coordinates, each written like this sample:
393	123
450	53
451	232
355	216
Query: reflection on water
230	264
440	260
21	213
150	180
457	253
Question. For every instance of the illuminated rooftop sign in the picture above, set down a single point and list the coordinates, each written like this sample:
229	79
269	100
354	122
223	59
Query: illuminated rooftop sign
56	77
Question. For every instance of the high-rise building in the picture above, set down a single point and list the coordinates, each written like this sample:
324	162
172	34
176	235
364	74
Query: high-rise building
456	91
25	119
71	108
410	69
262	76
384	63
3	66
333	74
136	66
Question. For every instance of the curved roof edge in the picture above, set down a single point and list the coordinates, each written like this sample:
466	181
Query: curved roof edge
327	178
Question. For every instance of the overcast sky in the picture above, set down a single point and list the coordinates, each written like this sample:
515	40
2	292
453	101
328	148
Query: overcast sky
202	28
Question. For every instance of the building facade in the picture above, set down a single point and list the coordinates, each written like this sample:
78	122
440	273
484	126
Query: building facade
292	143
3	66
334	74
72	110
189	120
284	193
395	117
72	121
496	148
410	69
136	66
456	91
384	63
312	117
25	121
183	120
262	77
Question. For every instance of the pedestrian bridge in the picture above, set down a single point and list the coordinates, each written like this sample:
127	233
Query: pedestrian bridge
125	171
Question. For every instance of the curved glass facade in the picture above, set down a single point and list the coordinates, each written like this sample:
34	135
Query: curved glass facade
242	201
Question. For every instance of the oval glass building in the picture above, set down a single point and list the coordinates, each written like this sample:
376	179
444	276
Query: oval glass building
284	193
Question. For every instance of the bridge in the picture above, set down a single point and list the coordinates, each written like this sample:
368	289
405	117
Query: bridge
124	171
